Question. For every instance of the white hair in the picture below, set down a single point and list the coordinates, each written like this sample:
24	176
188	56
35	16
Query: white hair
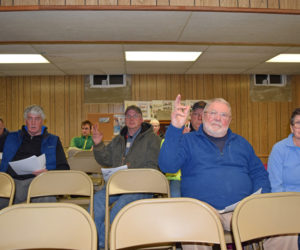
34	109
220	100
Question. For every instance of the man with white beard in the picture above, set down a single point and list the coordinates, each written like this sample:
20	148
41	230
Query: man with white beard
217	166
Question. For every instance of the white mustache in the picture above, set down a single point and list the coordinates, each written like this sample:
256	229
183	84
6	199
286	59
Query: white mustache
217	124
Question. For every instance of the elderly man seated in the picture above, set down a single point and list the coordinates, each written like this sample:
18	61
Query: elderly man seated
32	139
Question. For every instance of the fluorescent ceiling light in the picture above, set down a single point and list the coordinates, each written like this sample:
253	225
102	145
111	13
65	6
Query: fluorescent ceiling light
286	58
22	58
182	56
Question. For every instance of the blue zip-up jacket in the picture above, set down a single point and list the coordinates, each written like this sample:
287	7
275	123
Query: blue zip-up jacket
218	178
49	147
284	166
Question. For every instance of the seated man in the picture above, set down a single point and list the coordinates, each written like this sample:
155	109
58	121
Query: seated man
83	142
3	134
156	127
137	147
193	125
196	117
32	139
217	166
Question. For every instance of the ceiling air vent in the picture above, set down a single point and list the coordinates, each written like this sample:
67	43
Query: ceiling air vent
269	80
107	81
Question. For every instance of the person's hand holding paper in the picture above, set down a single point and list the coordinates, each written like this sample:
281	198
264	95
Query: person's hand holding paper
31	165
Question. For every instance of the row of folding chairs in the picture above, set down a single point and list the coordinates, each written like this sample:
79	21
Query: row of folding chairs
258	213
166	220
53	183
154	222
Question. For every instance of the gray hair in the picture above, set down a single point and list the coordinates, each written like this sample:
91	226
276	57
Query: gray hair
221	100
34	109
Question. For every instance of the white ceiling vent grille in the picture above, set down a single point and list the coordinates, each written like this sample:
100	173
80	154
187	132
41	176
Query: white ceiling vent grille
107	81
269	80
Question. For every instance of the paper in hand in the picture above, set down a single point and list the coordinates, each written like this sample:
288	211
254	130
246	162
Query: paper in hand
107	172
29	165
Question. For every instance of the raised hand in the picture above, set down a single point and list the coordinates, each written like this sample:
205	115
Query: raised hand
180	113
96	134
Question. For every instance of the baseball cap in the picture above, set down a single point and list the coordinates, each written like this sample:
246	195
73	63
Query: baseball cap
198	105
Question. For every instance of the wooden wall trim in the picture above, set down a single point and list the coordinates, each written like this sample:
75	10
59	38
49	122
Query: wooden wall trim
147	8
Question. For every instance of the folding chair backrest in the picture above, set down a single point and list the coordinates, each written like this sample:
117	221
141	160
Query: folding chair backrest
84	161
144	180
154	222
262	215
7	187
47	225
64	182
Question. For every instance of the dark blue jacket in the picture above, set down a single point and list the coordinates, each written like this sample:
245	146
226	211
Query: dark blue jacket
3	138
49	147
218	178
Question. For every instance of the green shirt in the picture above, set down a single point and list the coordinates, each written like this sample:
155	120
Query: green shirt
82	142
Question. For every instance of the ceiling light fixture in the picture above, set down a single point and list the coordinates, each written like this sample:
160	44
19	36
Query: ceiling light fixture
22	58
285	58
153	56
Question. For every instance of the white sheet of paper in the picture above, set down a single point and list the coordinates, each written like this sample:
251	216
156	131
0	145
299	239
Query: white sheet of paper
29	165
231	207
0	155
107	172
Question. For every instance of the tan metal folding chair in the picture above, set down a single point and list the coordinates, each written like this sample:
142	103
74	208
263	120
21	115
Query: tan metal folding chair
47	225
154	222
64	182
85	161
262	215
7	187
144	180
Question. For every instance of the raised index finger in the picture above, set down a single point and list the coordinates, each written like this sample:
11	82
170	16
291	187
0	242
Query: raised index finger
177	102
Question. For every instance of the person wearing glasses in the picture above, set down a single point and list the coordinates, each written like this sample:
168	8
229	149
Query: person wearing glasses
137	147
196	117
217	166
284	160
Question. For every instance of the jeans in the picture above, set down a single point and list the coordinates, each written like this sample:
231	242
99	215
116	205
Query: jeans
175	188
120	202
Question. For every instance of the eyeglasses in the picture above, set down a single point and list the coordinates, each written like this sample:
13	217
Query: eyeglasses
132	116
215	113
297	124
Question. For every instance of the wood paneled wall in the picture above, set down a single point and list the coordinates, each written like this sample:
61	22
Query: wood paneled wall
261	123
273	4
62	97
